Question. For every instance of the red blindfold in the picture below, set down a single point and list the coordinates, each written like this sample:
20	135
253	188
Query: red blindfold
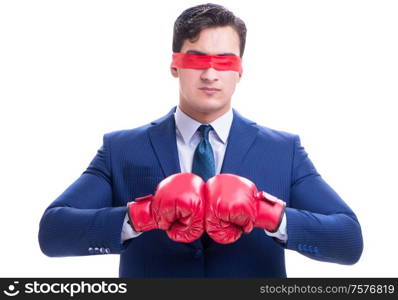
218	62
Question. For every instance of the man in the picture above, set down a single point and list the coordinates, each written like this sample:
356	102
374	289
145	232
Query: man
202	192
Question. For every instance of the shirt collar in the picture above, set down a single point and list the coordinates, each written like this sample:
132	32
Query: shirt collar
188	126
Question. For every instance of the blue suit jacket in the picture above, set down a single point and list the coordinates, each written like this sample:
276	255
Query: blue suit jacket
87	218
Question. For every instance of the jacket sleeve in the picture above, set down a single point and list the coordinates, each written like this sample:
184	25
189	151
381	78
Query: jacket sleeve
320	225
82	220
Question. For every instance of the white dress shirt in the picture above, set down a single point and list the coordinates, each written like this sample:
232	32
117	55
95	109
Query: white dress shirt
188	138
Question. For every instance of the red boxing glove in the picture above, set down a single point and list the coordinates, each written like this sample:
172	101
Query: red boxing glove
177	207
233	206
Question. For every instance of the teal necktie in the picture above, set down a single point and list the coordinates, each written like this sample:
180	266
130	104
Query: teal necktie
203	159
203	164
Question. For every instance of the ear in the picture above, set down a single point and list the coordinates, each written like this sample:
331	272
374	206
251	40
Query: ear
174	72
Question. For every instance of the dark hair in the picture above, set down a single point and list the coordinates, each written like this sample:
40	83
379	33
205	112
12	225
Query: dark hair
195	19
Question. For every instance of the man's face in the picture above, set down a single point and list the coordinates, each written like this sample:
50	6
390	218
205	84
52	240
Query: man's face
208	91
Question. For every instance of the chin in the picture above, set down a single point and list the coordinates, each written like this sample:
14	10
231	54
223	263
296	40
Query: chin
209	108
204	105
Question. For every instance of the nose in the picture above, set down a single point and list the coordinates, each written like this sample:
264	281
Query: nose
209	75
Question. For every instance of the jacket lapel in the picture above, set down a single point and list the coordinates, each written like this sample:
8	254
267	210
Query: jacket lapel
241	136
163	139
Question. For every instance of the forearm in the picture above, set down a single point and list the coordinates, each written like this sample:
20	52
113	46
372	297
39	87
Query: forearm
333	238
67	231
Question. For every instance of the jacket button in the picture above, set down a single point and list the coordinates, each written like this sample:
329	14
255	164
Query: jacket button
91	250
102	250
198	253
107	250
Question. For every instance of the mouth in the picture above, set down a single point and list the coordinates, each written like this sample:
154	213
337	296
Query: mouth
209	91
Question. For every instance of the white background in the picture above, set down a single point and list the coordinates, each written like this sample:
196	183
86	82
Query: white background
71	71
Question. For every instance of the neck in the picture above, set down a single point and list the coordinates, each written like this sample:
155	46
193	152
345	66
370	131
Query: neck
203	117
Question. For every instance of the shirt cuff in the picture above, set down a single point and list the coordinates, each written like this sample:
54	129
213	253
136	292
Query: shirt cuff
127	230
281	233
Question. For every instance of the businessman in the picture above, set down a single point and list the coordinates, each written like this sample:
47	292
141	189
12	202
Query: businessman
202	191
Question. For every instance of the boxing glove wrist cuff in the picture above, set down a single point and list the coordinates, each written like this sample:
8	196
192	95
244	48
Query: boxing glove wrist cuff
139	214
270	212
